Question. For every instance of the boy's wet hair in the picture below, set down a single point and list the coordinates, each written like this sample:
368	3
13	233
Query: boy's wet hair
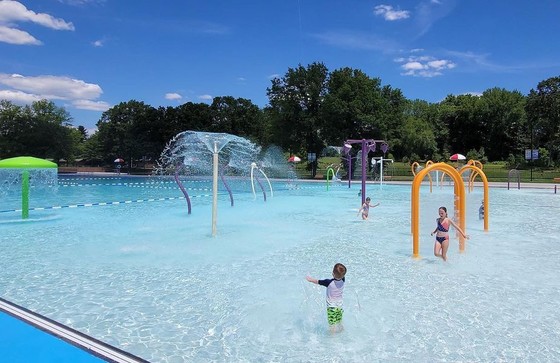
368	199
339	271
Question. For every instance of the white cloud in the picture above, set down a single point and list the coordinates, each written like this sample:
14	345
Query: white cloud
53	87
274	75
91	105
13	12
205	97
241	79
390	14
173	96
97	43
424	66
413	66
441	64
16	36
22	89
18	96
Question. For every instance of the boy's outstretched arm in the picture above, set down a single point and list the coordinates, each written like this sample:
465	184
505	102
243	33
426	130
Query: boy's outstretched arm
311	279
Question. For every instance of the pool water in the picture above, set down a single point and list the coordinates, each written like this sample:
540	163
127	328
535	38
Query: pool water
148	278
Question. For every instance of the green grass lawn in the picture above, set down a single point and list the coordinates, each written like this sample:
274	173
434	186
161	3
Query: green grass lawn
495	172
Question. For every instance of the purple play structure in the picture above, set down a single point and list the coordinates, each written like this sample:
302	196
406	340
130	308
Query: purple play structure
367	146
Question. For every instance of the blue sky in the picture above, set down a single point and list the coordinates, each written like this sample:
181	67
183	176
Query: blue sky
89	55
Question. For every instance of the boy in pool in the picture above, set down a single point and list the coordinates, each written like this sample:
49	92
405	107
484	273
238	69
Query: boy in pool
365	208
335	288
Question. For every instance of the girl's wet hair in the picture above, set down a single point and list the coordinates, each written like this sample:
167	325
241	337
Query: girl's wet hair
339	270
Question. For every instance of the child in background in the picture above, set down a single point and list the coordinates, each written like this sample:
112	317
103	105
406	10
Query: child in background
335	288
365	208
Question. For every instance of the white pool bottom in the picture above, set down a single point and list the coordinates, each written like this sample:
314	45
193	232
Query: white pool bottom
152	281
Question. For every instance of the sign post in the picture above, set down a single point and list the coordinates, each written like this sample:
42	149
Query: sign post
531	154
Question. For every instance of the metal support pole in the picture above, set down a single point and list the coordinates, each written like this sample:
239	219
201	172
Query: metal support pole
364	170
25	195
215	190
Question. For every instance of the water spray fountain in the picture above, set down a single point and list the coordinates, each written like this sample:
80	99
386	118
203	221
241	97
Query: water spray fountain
29	172
209	154
367	146
253	177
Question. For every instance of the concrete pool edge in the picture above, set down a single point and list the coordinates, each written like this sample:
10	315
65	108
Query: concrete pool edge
71	336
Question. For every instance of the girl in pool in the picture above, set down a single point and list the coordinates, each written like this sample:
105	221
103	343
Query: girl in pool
365	208
442	233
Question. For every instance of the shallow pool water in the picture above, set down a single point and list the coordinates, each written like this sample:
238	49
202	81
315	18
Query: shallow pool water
147	277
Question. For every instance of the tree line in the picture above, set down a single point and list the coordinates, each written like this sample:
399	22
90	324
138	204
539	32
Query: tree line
309	108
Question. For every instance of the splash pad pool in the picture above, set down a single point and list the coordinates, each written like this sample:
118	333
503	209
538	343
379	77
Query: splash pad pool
151	280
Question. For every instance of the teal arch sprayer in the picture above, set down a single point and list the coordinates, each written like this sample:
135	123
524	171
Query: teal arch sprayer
22	168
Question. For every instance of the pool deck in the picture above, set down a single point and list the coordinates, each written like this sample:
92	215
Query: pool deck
426	181
26	336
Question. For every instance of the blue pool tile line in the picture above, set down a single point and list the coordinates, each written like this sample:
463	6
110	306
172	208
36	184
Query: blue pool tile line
26	336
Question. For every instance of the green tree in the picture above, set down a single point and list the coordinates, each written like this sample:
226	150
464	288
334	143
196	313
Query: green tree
238	117
351	107
357	106
418	138
504	123
421	130
295	103
188	116
41	129
127	130
462	116
543	111
92	150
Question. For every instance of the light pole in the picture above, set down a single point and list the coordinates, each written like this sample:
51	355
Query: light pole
531	127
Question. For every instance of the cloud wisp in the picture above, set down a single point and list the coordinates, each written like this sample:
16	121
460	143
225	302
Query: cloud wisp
173	96
390	14
81	95
13	12
205	97
429	12
357	40
424	66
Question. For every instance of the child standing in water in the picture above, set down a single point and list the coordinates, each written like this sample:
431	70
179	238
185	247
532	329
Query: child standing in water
441	244
365	208
335	288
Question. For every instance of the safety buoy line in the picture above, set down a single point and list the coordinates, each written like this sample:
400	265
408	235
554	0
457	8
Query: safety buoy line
82	205
64	180
145	186
120	183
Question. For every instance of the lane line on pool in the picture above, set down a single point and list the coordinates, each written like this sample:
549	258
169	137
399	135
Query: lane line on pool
79	205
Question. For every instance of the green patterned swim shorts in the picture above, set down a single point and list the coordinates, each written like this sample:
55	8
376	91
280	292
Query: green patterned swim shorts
334	315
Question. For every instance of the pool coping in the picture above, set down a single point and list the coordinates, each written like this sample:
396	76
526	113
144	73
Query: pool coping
71	336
